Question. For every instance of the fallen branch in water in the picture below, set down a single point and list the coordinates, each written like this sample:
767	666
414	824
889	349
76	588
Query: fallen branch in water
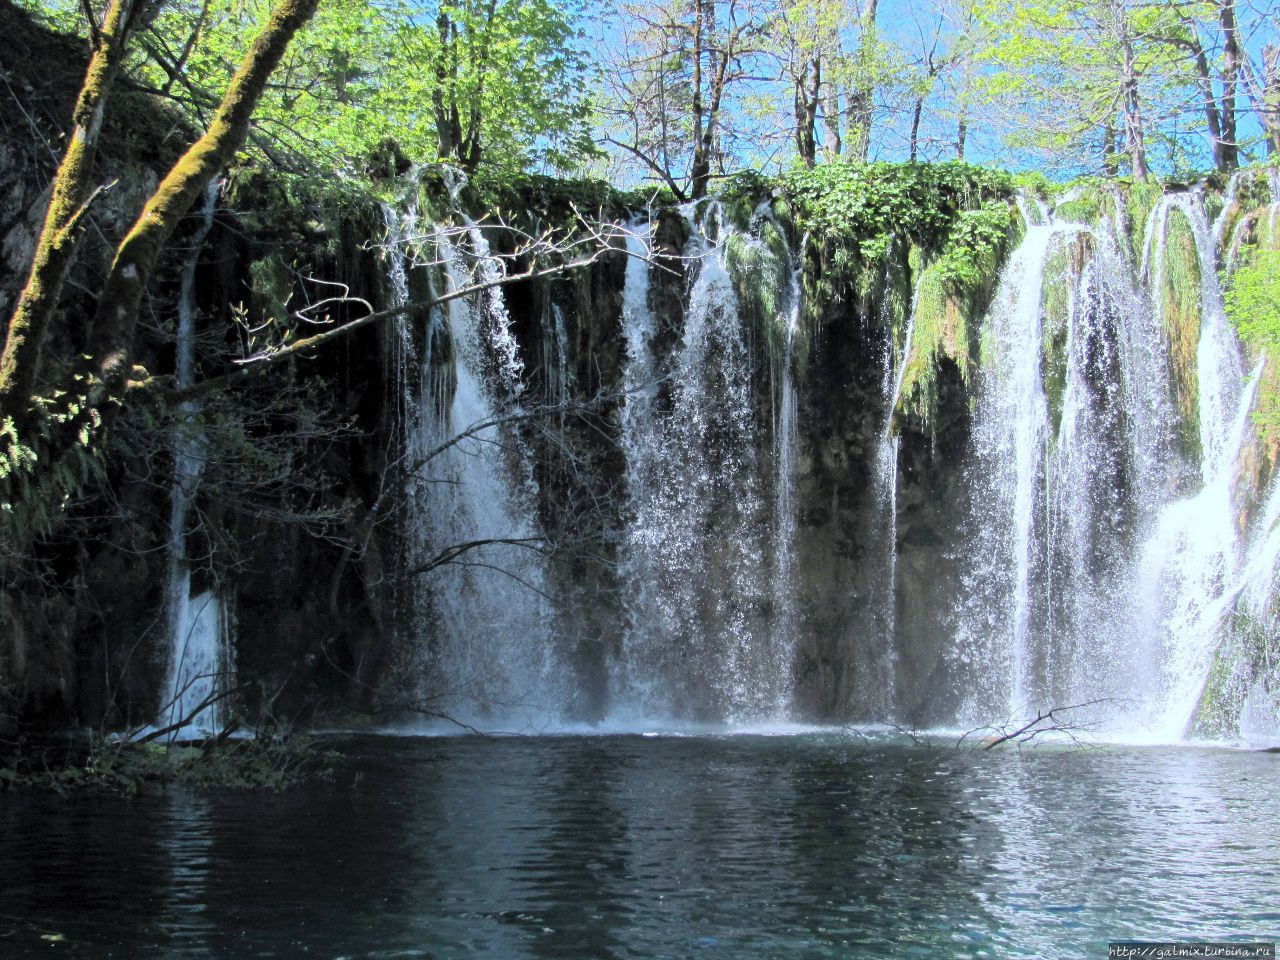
1045	722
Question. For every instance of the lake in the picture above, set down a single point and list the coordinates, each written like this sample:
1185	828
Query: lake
817	845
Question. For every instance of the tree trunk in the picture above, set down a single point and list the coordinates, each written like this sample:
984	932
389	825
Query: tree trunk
59	237
831	140
1135	140
1230	83
1222	159
1269	109
807	92
915	128
700	169
862	97
112	336
445	108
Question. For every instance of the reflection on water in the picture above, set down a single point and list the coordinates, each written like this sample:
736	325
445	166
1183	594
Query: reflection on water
612	847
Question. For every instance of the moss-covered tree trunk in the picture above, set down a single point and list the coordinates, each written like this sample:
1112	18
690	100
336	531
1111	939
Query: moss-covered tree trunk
111	343
73	189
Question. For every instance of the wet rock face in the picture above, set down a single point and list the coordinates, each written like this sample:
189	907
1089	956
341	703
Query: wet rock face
842	566
932	494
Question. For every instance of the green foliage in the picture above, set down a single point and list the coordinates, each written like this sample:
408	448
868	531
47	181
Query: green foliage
35	487
862	206
974	245
508	78
1253	298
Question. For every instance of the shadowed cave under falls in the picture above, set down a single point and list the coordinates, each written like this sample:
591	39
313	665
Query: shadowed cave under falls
864	509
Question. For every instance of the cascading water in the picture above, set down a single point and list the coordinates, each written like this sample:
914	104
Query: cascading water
1071	457
1189	559
480	615
1101	554
893	359
702	639
785	613
1105	553
199	660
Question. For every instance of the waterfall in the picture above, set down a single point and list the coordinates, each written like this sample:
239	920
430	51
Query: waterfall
1010	439
785	613
1189	566
701	639
1097	552
894	359
1106	555
480	617
199	661
1072	456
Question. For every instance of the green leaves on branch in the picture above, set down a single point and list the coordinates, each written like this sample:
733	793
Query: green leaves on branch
496	83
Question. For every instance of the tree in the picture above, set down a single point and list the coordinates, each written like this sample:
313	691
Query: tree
505	75
678	70
111	332
861	92
73	190
807	38
1082	64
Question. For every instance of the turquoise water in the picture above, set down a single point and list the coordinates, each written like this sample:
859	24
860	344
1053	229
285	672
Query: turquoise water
625	846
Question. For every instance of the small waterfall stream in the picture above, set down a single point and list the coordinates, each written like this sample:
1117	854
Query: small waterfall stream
199	627
481	605
702	639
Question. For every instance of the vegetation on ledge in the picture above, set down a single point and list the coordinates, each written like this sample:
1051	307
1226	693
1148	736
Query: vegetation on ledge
113	765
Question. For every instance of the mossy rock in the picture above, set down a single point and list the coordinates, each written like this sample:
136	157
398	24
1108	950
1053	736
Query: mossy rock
1246	655
1086	208
1140	200
759	271
1180	312
1056	295
941	329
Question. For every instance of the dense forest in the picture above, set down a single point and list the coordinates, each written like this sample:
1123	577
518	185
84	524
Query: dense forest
234	231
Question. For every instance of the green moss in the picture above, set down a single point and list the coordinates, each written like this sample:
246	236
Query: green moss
670	232
759	266
1253	305
942	329
1180	313
1248	652
1213	204
1140	200
1086	208
1055	303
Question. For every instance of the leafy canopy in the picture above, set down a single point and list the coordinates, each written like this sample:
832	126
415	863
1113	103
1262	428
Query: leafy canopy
511	74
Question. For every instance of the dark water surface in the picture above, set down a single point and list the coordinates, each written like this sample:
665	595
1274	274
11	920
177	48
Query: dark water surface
730	847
